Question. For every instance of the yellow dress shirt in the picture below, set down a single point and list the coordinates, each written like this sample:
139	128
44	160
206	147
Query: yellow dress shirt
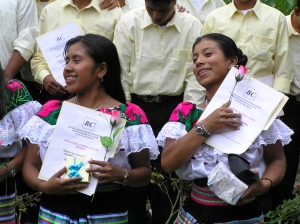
207	7
295	52
40	6
19	28
262	35
158	60
91	18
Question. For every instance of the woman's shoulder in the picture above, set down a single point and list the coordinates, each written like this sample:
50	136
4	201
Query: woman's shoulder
133	114
186	113
16	95
50	111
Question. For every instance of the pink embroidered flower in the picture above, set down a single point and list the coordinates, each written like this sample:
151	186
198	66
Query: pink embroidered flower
14	86
1	142
105	111
115	117
48	107
183	108
134	112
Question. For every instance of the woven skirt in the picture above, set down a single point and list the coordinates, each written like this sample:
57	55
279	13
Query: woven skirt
203	206
7	201
106	207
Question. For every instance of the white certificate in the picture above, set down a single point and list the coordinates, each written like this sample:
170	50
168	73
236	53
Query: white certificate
77	133
52	45
258	104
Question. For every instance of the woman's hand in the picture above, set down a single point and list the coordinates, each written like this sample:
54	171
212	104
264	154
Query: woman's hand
222	119
106	172
57	185
257	188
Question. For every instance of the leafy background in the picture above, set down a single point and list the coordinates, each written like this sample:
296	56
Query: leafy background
285	6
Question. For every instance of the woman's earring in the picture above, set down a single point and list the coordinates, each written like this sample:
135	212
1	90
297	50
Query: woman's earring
102	79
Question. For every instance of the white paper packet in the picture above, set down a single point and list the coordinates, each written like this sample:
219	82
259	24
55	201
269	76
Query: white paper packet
225	184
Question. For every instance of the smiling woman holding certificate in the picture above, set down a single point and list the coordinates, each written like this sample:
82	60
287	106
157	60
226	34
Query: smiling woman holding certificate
92	73
186	153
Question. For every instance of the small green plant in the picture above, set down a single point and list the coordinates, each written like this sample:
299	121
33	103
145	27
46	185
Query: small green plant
24	201
288	212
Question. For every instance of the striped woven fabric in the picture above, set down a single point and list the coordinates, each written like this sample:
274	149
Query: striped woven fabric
47	217
204	196
185	218
7	209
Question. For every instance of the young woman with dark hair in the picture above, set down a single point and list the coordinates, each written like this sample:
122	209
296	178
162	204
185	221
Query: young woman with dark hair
92	73
16	108
186	153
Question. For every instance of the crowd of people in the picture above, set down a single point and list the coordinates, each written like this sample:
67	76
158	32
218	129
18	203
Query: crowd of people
158	62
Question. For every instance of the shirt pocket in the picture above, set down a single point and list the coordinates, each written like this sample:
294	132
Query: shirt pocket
262	48
8	25
180	60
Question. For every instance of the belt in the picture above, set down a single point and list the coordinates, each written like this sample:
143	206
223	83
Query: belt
152	99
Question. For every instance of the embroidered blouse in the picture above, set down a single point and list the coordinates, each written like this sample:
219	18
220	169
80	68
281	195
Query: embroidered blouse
183	119
137	135
20	107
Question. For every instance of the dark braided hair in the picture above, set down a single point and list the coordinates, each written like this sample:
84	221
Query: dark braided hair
101	49
227	45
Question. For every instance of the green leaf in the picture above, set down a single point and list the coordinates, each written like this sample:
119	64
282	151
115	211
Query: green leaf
117	132
106	141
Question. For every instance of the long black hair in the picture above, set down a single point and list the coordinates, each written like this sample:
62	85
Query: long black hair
101	49
2	95
227	45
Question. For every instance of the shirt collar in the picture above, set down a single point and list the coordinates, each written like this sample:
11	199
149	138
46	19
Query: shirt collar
175	21
291	30
257	9
93	4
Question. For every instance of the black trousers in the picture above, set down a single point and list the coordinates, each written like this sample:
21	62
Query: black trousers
292	119
158	115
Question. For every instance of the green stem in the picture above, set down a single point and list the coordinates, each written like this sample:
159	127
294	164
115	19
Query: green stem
232	91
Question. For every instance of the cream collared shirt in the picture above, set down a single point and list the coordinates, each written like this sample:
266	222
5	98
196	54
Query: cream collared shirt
91	18
19	28
40	6
294	38
207	7
158	60
262	35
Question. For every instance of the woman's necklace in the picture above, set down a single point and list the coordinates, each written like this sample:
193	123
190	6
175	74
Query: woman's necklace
97	107
206	101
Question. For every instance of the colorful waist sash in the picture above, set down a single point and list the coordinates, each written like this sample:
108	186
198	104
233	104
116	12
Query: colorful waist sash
204	196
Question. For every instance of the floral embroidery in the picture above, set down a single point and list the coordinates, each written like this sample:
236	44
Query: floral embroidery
50	111
14	86
17	94
133	114
187	114
182	110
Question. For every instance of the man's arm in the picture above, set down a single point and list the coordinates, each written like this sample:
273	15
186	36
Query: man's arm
24	44
124	46
40	68
111	4
283	67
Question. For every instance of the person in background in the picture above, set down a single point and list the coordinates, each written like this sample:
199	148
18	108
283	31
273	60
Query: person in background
110	4
93	74
17	40
154	45
16	109
201	8
92	20
291	115
185	151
